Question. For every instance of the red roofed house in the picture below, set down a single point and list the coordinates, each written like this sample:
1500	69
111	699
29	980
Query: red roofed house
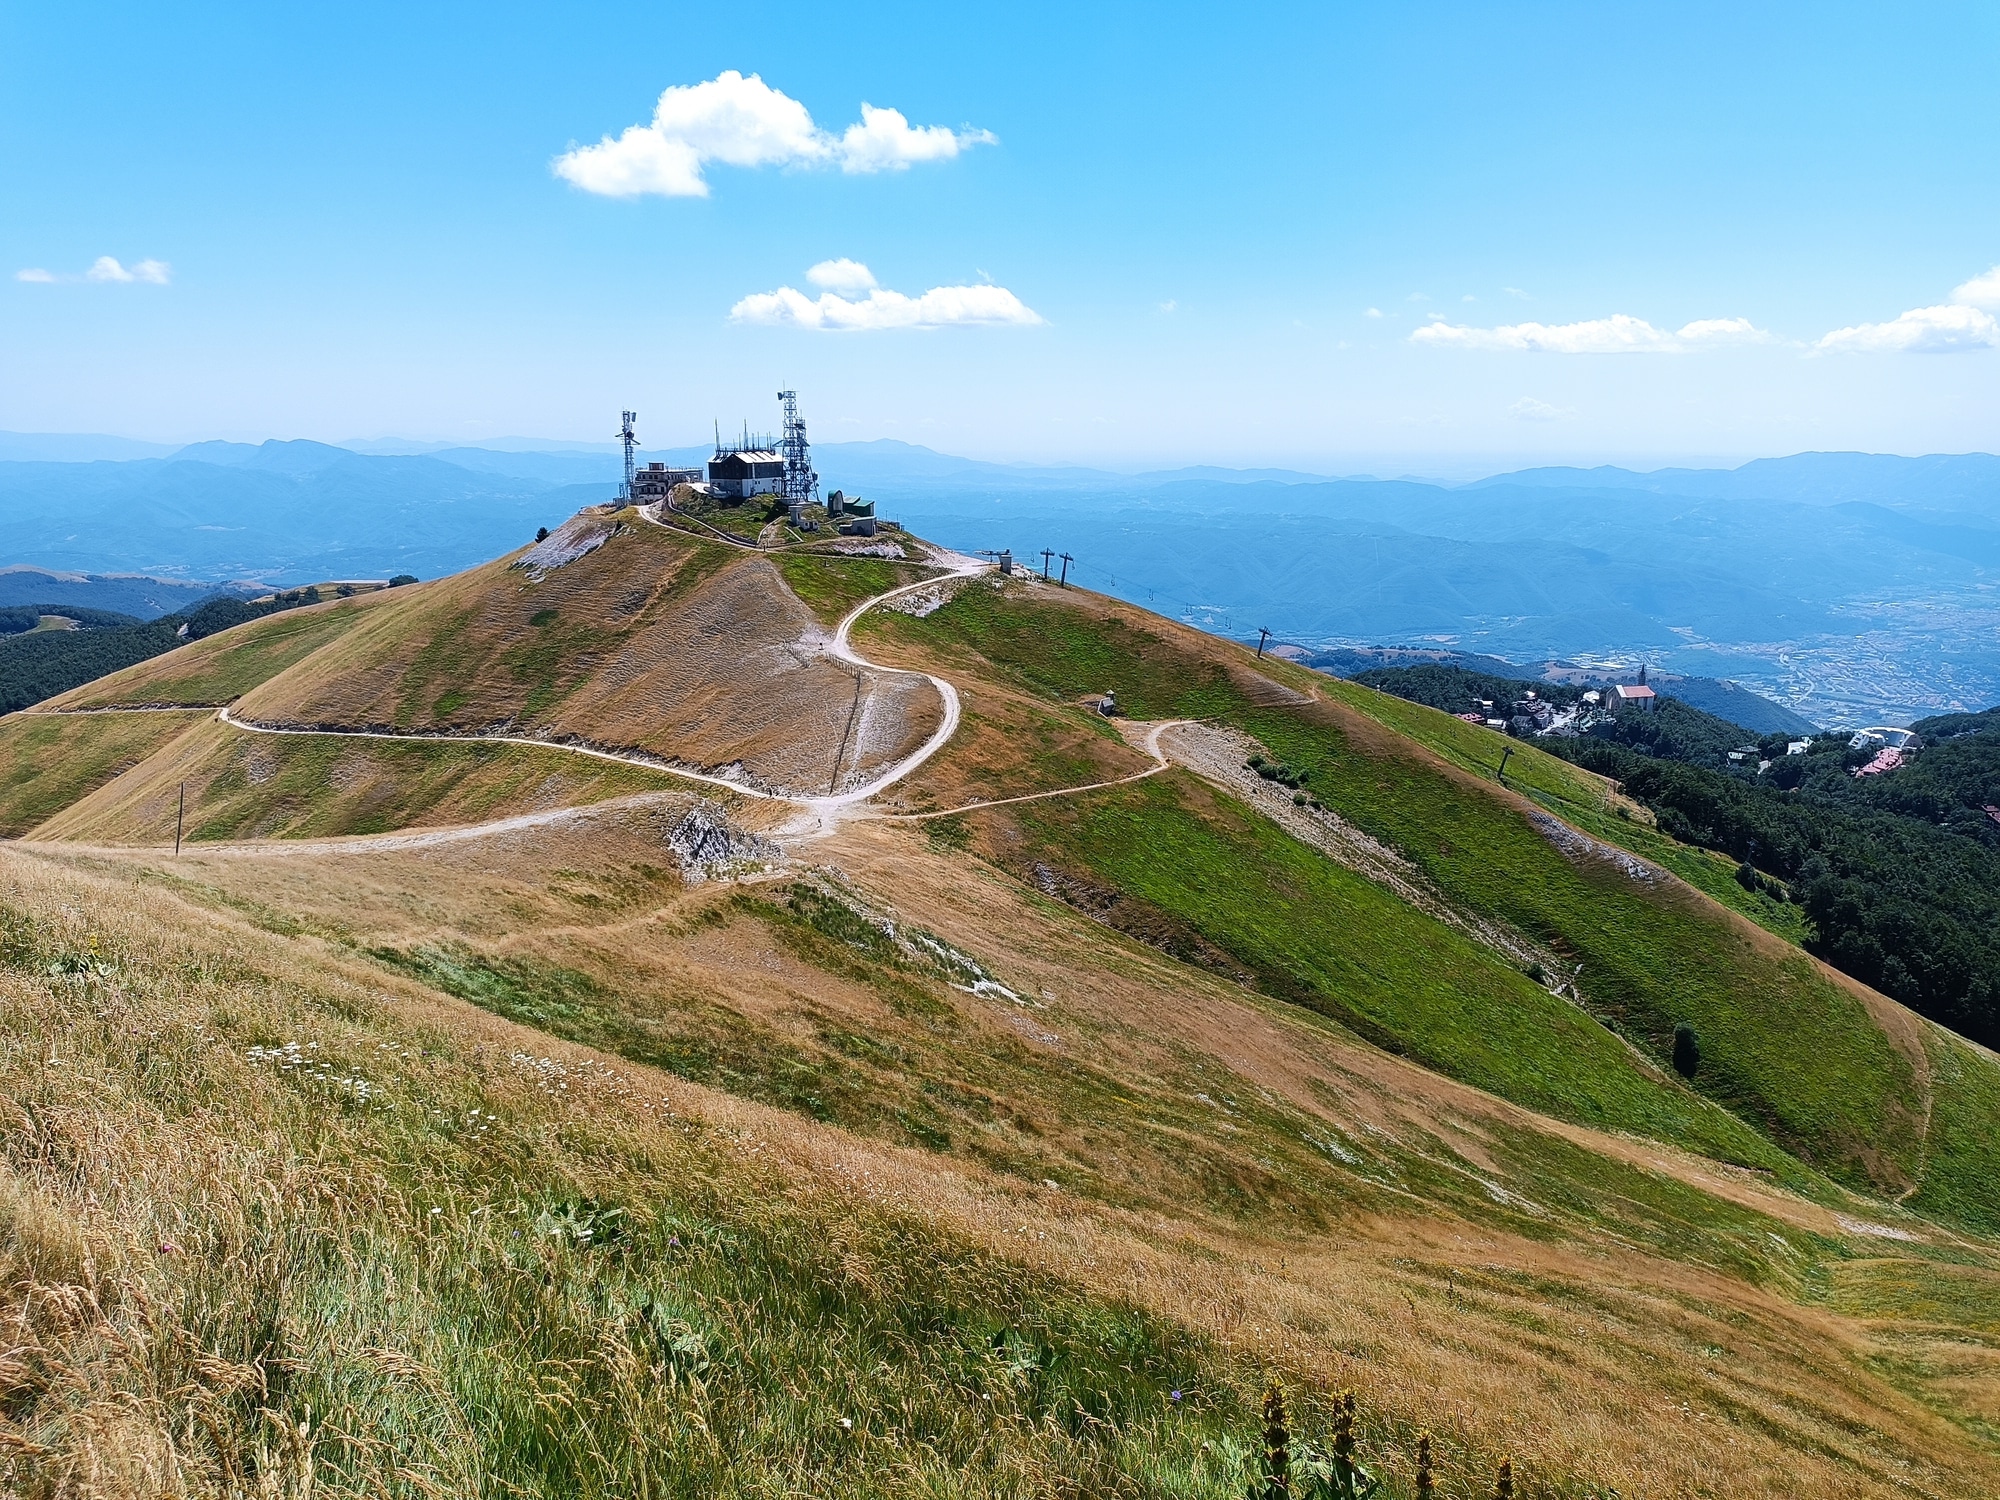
1884	762
1634	695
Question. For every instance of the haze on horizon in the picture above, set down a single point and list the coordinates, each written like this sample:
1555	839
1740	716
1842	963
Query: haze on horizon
1445	241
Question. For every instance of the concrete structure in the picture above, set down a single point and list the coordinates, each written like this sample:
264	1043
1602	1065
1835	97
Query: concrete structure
739	473
1886	735
657	481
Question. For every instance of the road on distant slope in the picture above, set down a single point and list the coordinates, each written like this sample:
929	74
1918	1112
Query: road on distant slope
818	814
664	767
1161	762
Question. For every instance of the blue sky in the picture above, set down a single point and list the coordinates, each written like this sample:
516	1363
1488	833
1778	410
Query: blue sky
349	222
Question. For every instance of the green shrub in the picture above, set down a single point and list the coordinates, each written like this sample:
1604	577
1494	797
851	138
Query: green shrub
1687	1051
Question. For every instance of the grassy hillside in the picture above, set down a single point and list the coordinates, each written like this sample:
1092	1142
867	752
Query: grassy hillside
1003	1151
1652	955
1314	933
48	761
247	786
223	667
628	1274
405	1270
650	640
832	584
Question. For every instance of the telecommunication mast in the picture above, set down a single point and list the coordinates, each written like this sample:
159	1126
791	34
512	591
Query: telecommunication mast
801	483
631	441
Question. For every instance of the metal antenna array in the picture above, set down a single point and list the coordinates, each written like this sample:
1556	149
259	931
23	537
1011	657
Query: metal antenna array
801	483
631	441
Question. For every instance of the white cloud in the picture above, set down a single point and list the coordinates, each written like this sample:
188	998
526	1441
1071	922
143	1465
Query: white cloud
1922	330
884	141
841	275
1528	409
940	307
1373	312
744	122
106	268
1468	297
1981	291
1513	291
1618	334
1722	331
1172	304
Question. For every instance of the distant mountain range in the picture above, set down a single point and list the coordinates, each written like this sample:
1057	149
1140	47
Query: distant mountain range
1846	586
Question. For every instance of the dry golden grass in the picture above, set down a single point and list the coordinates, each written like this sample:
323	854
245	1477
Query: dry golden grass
1565	1343
220	668
653	642
49	761
244	785
1165	1177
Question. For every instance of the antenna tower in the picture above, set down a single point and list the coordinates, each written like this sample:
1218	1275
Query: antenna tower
631	441
801	483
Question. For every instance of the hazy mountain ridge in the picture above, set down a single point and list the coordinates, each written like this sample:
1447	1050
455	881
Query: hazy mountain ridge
1850	586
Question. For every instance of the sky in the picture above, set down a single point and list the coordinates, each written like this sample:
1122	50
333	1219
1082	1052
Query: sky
1425	238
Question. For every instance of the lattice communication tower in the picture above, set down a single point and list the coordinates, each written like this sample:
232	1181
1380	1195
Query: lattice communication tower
801	483
631	441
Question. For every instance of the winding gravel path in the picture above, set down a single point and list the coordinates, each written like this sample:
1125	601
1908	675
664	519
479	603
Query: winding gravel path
817	815
822	813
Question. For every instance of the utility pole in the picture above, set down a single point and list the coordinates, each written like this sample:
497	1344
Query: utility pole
1503	761
180	817
1066	561
1047	553
1263	635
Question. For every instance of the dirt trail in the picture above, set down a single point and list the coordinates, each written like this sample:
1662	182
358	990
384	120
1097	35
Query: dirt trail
383	843
817	814
1150	744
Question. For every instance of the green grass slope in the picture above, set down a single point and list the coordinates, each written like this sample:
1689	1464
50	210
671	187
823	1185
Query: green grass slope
1315	933
1571	793
831	584
1786	1047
